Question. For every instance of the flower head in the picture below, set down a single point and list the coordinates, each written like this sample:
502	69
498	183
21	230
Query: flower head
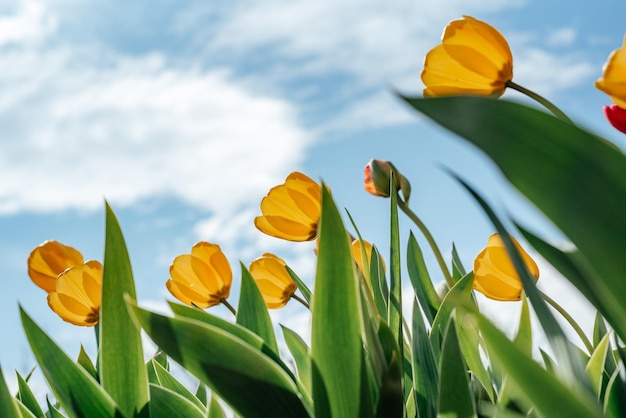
494	273
616	117
78	294
202	278
50	259
473	58
613	80
378	176
355	248
291	210
273	280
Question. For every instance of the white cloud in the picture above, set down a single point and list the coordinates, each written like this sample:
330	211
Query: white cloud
28	23
562	37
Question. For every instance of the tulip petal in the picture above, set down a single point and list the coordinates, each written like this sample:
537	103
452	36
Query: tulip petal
50	259
613	80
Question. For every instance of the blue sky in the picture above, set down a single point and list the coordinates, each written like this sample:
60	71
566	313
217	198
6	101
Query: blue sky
183	114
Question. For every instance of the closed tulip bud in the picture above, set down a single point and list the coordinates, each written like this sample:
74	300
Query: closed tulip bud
494	273
616	117
378	178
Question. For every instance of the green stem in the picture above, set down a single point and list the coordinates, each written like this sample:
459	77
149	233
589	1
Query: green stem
541	100
571	321
229	306
302	301
431	241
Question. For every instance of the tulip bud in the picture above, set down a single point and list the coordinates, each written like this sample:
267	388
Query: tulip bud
616	117
378	177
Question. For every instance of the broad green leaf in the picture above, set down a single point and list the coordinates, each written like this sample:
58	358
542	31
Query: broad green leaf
122	370
301	356
252	312
215	409
336	344
550	396
420	279
306	293
455	396
86	363
168	381
394	312
166	403
76	390
8	405
391	398
226	364
571	168
25	395
595	366
425	372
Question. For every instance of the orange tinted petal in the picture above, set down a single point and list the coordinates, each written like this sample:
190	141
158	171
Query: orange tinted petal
50	259
613	80
78	294
273	280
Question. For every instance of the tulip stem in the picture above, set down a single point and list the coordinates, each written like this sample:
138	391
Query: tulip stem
431	241
302	301
571	321
541	100
229	306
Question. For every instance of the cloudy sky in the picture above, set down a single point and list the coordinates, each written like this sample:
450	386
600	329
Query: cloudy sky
183	114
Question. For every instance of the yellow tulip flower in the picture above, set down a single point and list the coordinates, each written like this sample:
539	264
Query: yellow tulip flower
273	280
78	294
202	278
50	259
613	80
473	59
494	273
355	248
292	210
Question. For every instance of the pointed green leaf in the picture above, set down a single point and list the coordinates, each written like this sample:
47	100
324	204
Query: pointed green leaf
25	395
425	372
306	293
122	370
420	279
252	312
166	380
599	329
24	411
455	397
394	312
336	345
457	265
215	409
201	394
53	412
8	405
226	364
595	366
77	391
301	355
391	398
614	399
379	281
166	403
86	363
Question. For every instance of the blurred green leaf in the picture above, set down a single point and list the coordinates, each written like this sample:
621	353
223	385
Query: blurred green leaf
306	293
550	396
86	363
595	366
599	329
215	409
391	398
53	411
8	405
469	342
226	364
614	398
425	372
252	312
301	355
455	396
336	344
25	395
420	279
24	411
78	392
166	403
122	370
571	168
166	380
201	394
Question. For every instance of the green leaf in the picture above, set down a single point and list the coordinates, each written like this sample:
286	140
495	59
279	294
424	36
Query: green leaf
168	381
394	317
550	396
201	394
226	364
86	363
25	395
53	411
122	370
76	390
166	403
455	396
379	281
599	329
215	409
571	168
614	399
420	279
24	411
306	293
301	355
252	312
391	398
8	405
336	344
595	366
425	372
457	265
469	341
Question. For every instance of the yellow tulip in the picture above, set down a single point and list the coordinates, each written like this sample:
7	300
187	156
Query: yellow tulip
355	248
292	210
50	259
494	273
78	294
202	278
613	80
273	280
473	59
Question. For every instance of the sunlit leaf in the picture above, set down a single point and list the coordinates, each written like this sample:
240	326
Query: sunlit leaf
420	279
166	403
8	406
26	396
